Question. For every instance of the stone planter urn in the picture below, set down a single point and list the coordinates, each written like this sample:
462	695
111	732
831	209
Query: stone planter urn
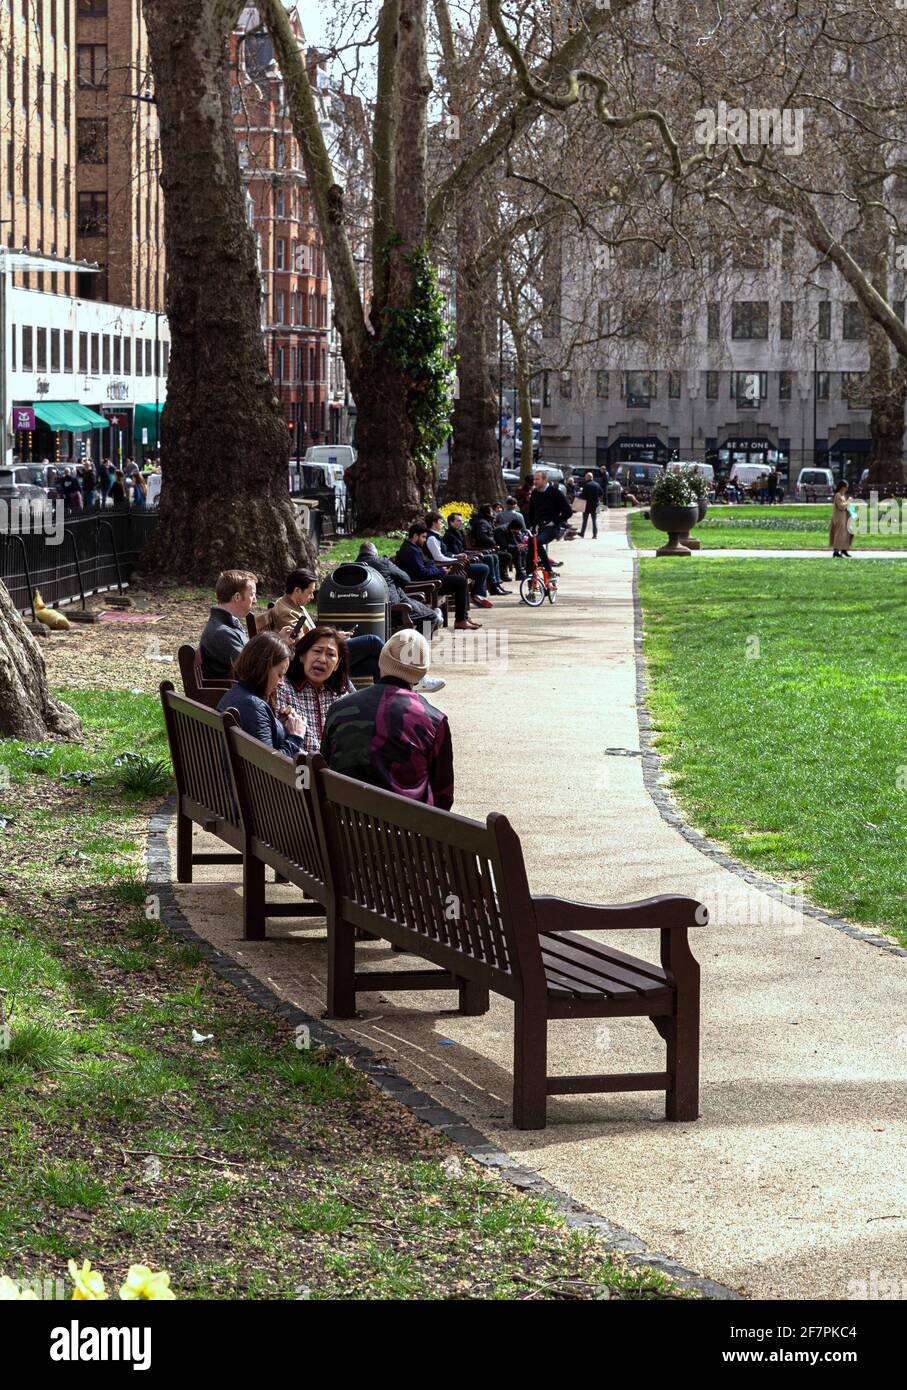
692	542
677	521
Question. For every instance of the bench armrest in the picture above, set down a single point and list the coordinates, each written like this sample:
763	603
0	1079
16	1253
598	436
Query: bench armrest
666	911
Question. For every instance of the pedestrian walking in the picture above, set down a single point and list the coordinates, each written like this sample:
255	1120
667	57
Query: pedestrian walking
840	530
591	493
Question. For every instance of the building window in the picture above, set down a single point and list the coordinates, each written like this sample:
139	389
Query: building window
787	248
280	207
148	368
95	354
854	323
749	319
10	176
281	154
127	357
67	349
713	332
278	306
674	386
749	389
711	386
674	324
41	350
785	381
83	353
53	185
604	318
138	357
91	140
855	390
166	362
117	354
566	387
39	179
91	68
55	349
105	354
822	382
825	319
787	319
92	210
281	253
639	389
25	80
28	364
602	384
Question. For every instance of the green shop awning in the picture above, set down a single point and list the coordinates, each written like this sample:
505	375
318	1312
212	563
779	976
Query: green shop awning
147	417
68	415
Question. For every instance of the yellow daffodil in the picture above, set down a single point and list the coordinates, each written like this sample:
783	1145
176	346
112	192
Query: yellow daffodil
141	1282
88	1284
11	1293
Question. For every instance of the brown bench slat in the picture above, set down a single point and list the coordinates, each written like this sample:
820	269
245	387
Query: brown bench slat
589	959
622	1081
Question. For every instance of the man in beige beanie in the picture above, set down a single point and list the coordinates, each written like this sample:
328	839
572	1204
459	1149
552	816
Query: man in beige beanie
388	734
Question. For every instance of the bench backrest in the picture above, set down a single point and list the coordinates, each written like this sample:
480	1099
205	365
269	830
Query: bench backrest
198	747
278	811
198	687
458	884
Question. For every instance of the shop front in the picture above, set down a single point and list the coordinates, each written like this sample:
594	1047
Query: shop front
146	429
758	450
644	449
60	431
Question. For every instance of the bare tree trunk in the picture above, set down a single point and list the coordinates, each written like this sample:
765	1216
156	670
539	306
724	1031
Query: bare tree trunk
225	445
887	396
475	473
27	709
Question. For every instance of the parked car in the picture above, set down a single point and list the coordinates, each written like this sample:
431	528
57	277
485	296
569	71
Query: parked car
815	485
340	454
24	482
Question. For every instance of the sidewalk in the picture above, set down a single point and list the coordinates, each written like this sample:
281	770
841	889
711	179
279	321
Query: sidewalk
792	1182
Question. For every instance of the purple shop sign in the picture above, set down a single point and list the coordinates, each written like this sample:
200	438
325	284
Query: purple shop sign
23	418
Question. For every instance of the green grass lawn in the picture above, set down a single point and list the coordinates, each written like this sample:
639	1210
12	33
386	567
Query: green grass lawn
779	695
347	548
245	1167
746	527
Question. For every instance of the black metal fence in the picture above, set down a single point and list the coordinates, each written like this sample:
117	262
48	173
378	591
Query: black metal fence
91	553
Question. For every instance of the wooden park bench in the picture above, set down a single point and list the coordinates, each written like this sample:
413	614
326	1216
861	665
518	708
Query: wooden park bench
455	892
208	796
197	687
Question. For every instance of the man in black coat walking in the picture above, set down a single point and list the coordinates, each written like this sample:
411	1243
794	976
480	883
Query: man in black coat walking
592	495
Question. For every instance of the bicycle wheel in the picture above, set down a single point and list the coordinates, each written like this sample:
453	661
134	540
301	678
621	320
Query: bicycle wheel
532	590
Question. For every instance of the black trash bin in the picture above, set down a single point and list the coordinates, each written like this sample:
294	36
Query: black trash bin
355	596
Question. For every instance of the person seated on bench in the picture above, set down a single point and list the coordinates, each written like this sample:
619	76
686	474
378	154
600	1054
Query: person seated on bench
224	634
259	669
412	558
483	526
478	573
388	735
394	577
454	543
363	651
514	538
318	675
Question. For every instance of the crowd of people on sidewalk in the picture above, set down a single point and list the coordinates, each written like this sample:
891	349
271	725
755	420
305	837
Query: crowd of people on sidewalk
89	487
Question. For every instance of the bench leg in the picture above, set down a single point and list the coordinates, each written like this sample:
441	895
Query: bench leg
682	1037
183	848
473	997
530	1067
341	1000
253	898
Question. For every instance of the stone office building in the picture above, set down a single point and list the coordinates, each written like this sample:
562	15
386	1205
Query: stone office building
762	359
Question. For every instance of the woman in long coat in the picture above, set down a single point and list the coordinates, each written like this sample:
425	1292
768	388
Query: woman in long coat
840	530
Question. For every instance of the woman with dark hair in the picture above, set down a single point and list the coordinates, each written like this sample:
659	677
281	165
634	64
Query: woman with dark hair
840	530
258	671
318	675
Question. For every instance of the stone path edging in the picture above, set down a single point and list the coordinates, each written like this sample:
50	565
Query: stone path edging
657	785
424	1107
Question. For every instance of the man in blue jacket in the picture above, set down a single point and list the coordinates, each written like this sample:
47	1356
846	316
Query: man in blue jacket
412	558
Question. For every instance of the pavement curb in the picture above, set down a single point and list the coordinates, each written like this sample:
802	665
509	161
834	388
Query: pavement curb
424	1107
657	785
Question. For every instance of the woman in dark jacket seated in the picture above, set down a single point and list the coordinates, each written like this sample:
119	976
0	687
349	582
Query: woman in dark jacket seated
258	671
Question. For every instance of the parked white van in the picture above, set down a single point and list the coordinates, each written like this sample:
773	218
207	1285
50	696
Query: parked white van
706	469
745	474
341	454
815	485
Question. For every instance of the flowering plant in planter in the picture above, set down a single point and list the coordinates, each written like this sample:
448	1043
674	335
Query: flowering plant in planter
675	490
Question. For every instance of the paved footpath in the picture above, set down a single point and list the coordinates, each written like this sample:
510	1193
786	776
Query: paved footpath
792	1183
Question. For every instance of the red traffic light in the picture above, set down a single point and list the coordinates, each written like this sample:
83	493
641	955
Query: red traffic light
290	425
